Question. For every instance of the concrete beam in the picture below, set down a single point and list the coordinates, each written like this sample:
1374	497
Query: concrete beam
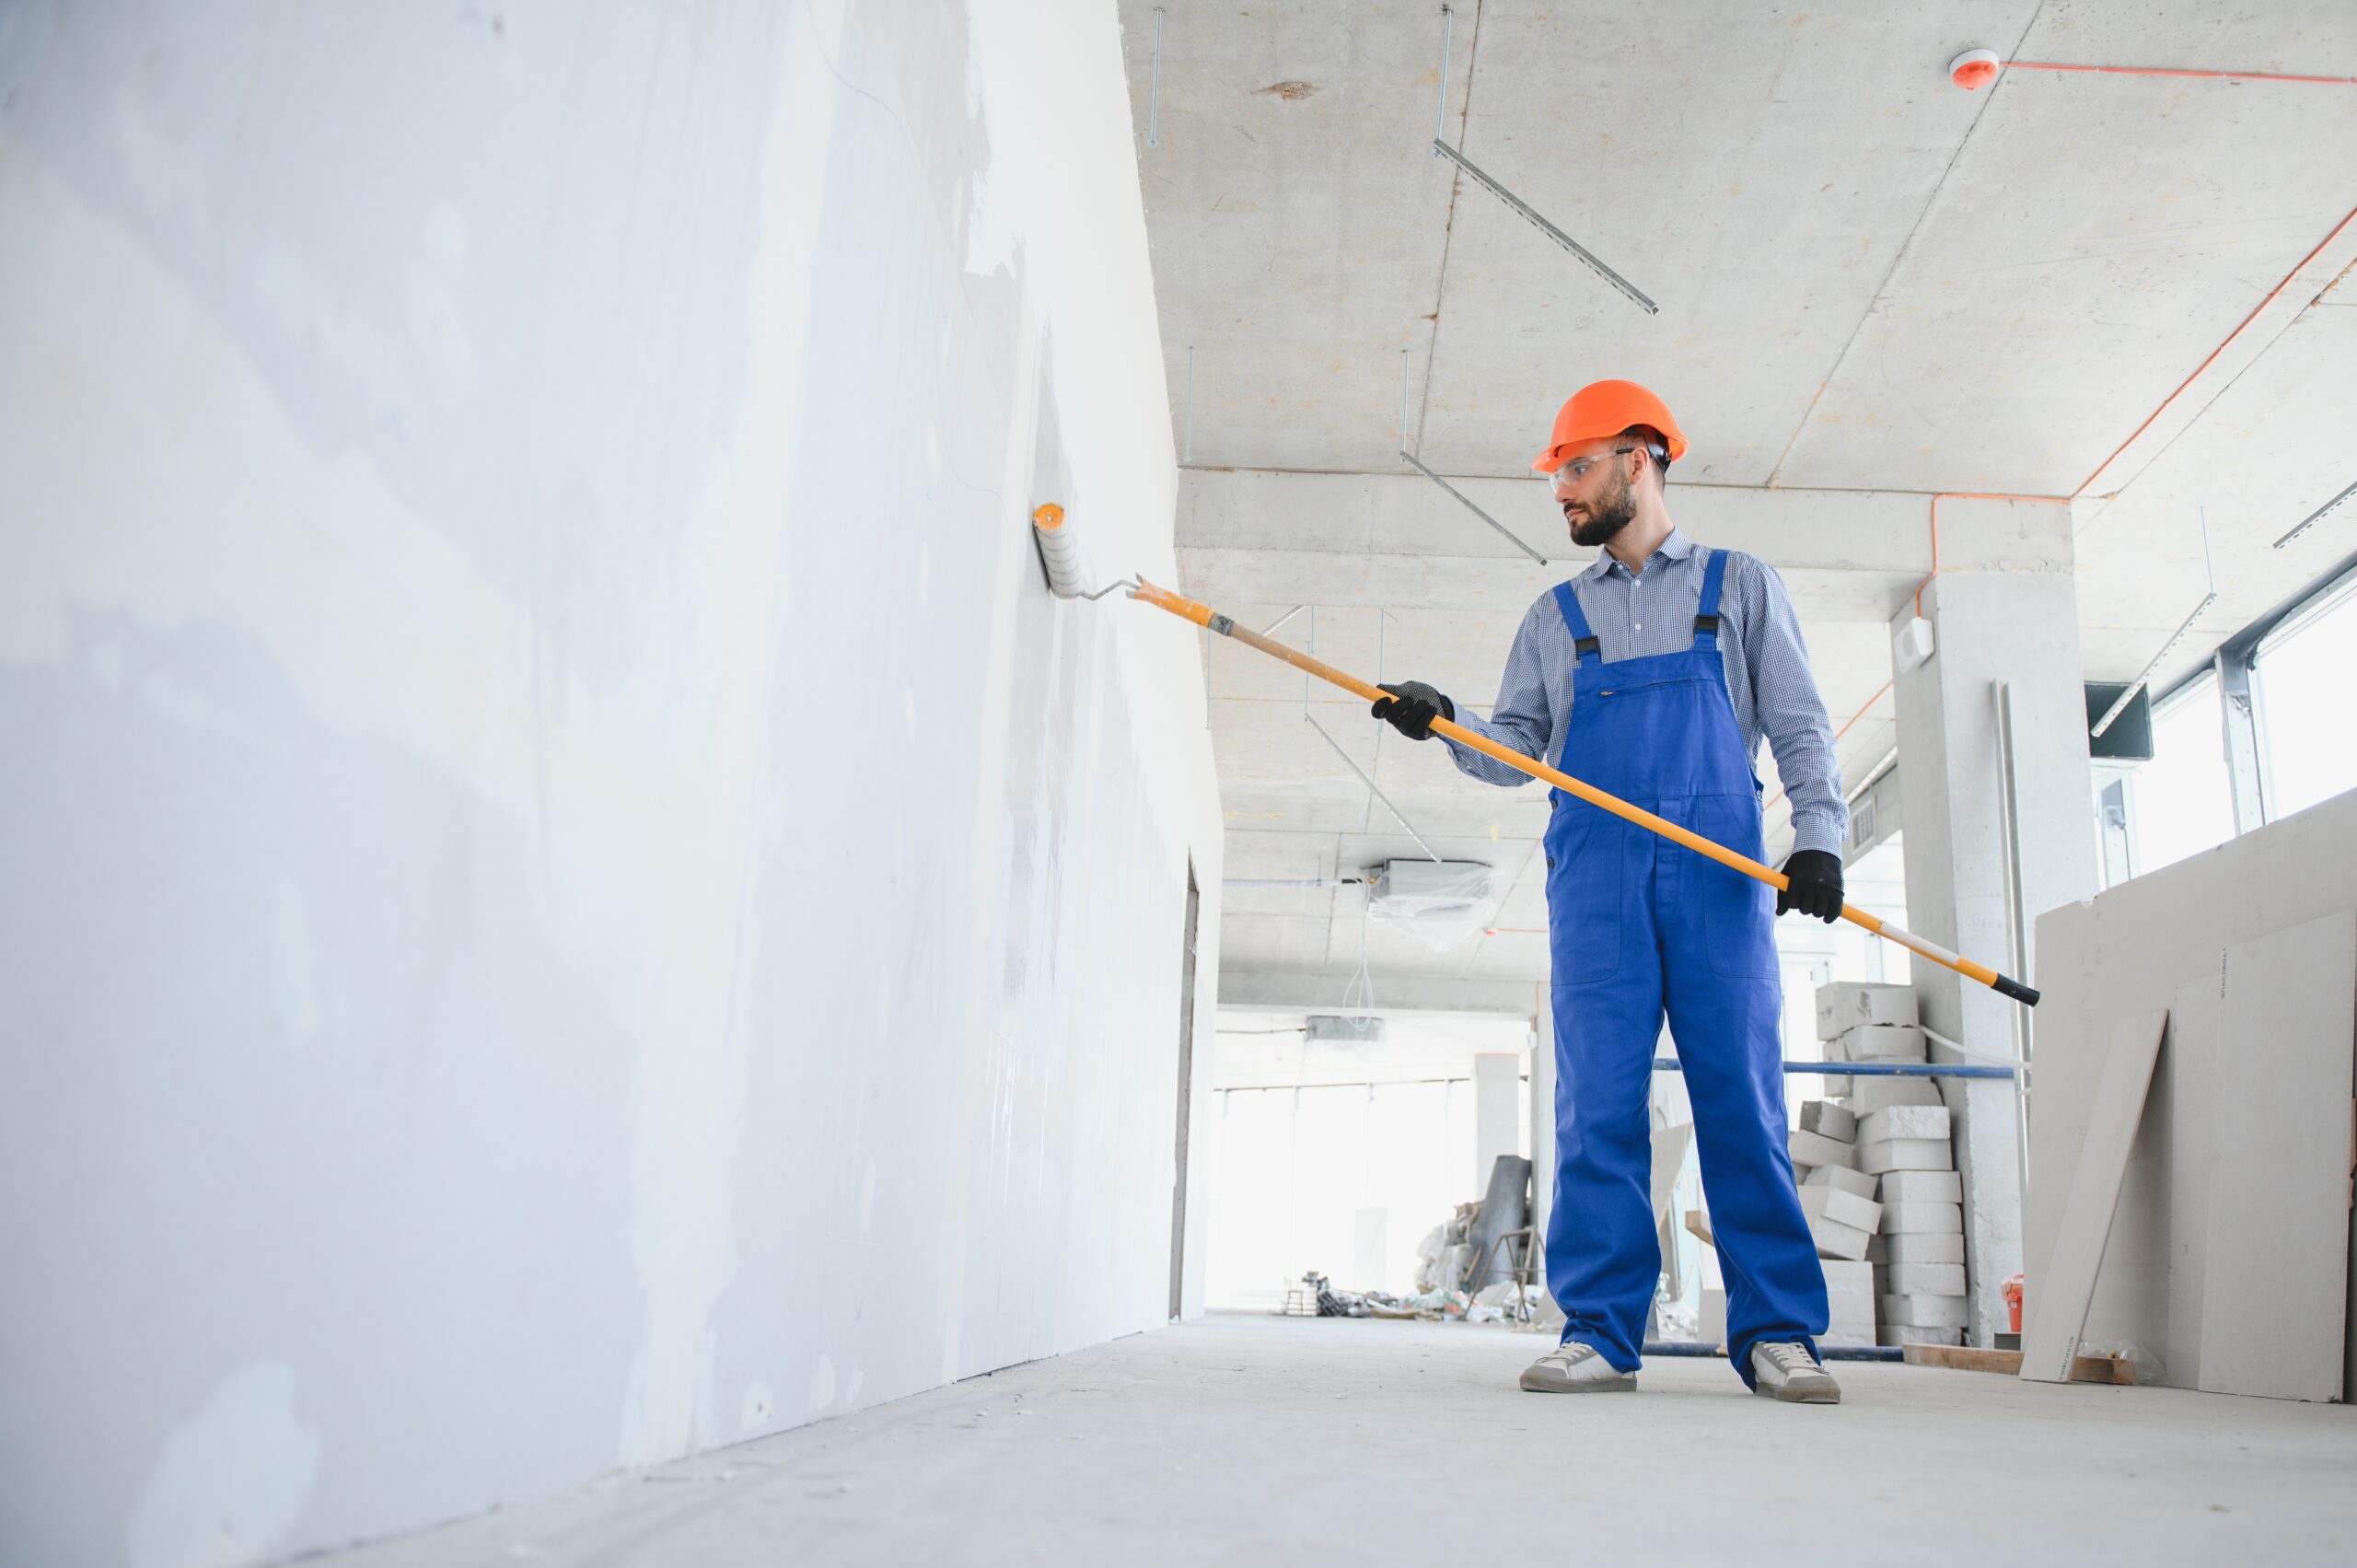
1280	991
1262	536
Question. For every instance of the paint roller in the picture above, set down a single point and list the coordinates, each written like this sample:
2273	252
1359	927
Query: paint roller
1056	548
1061	556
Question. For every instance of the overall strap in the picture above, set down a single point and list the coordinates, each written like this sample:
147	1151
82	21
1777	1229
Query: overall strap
1584	641
1706	614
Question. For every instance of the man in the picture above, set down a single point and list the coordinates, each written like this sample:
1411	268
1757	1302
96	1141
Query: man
1653	675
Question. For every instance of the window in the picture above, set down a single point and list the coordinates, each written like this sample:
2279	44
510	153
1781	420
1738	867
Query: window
2182	800
2303	675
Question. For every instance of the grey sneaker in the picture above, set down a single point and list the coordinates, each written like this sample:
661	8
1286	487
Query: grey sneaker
1573	1367
1789	1373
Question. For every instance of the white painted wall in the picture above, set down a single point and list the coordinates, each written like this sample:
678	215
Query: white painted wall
569	896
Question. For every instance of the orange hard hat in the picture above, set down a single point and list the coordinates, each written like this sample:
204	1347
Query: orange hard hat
1606	407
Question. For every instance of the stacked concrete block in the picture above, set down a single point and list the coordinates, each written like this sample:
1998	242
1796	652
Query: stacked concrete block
1828	1135
1867	1095
1916	1247
1874	1025
1900	1137
1905	1137
1845	1177
1850	1294
1844	1007
1812	1150
1839	1221
1843	1212
1918	1251
1835	1121
1890	1043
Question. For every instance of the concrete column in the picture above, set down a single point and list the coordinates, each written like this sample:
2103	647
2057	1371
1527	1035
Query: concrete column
1542	1135
1497	1112
2010	620
1542	1112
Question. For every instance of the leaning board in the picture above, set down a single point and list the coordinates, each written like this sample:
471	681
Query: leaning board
2274	1296
2058	1299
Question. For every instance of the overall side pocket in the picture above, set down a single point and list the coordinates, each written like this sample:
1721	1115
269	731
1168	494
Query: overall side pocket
1586	861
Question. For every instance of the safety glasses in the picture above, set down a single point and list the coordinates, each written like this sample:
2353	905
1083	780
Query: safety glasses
1578	469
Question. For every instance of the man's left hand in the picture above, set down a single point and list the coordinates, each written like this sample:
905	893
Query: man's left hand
1816	889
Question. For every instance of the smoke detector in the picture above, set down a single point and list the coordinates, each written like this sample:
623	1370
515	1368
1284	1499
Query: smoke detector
1974	69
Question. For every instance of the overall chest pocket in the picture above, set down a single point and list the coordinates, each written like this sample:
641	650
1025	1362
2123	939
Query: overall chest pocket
1587	854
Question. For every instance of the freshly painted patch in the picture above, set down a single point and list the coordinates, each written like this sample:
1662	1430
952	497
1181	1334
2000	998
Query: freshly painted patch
232	1479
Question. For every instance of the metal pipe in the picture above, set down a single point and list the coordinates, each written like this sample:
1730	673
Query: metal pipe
1257	883
1824	1352
2017	923
1867	1069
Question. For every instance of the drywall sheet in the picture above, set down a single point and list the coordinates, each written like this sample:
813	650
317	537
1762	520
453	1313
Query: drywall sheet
2057	1297
2276	1275
2191	1055
2126	951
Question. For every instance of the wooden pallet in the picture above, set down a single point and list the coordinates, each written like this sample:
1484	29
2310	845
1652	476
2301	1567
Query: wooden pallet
2110	1369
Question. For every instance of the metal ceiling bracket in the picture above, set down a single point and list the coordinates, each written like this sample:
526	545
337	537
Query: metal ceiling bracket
1271	629
2311	520
1154	111
2127	693
1468	502
1371	784
1442	149
1440	115
1581	252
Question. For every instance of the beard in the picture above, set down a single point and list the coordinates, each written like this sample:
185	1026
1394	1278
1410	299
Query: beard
1605	519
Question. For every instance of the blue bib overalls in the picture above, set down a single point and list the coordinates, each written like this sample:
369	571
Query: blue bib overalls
1637	924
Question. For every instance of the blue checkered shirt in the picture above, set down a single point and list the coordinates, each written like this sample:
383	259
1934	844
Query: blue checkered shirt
1768	679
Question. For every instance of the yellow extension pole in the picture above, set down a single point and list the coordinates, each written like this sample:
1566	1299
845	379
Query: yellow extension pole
1204	616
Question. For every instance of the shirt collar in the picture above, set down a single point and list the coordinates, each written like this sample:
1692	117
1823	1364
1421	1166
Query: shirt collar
1675	547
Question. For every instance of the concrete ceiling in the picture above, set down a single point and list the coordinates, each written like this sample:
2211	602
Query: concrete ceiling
1869	280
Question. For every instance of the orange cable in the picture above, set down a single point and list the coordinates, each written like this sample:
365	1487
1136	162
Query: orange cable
2214	352
2272	294
2169	71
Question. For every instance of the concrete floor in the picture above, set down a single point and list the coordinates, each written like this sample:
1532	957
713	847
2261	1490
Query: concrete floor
1264	1440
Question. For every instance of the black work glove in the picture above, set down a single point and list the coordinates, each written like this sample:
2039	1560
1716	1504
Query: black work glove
1816	884
1411	707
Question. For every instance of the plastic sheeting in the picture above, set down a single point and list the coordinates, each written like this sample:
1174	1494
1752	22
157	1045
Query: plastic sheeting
1441	902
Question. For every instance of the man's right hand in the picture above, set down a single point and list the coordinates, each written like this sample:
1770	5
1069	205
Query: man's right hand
1411	707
